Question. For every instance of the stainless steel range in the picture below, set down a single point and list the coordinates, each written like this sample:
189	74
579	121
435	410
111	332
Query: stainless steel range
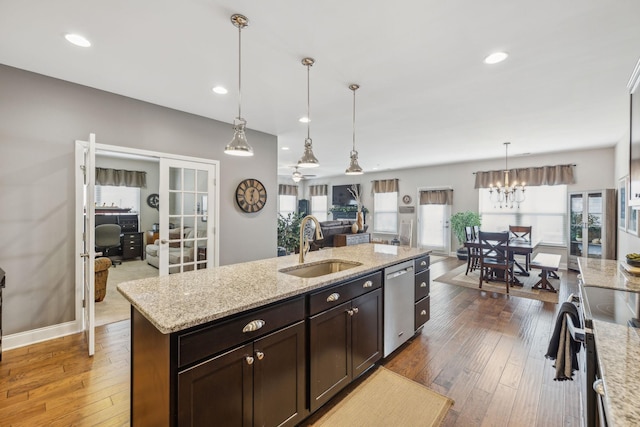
607	305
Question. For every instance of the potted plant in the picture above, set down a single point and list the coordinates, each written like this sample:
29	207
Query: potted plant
289	231
458	222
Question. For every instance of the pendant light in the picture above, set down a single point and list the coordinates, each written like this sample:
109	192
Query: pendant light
354	168
297	175
308	160
239	145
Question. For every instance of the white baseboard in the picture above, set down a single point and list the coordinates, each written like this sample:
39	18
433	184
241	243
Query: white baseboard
22	339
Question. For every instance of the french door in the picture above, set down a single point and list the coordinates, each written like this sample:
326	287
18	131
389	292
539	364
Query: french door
187	215
85	223
434	232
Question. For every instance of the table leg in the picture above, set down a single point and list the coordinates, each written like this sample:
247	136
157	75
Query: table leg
543	283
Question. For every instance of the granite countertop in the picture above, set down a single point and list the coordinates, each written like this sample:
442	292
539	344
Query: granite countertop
618	349
618	346
607	273
179	301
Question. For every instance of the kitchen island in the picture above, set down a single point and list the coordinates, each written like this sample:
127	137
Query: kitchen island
618	346
227	343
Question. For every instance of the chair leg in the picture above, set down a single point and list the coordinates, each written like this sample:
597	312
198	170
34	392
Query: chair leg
481	277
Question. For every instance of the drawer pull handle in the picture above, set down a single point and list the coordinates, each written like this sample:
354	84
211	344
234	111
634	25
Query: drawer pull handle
355	310
259	355
367	284
249	360
423	263
350	312
423	284
598	387
333	297
423	313
254	325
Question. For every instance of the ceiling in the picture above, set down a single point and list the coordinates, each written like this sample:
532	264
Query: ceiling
425	96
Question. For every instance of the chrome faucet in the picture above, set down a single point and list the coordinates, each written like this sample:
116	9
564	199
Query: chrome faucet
304	242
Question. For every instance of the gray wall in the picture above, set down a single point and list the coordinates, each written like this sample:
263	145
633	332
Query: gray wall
41	119
627	242
594	170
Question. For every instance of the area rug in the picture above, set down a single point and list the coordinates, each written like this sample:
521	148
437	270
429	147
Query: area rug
457	277
388	399
114	307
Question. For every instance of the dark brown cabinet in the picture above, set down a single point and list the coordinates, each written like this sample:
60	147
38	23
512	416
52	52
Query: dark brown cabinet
344	341
262	383
422	311
131	243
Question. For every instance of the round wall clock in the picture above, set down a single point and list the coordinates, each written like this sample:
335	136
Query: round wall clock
251	195
406	199
153	200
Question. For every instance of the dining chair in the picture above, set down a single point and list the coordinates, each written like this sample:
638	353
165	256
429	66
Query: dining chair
473	253
495	256
522	232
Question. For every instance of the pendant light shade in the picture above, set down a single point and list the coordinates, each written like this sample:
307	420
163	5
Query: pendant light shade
308	159
297	175
238	146
354	168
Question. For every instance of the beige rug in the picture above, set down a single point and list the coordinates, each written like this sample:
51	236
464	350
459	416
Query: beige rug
387	399
114	307
457	277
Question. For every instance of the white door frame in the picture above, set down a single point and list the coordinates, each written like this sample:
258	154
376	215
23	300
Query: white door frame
214	214
447	226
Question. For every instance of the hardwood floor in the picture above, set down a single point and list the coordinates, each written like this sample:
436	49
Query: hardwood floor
486	351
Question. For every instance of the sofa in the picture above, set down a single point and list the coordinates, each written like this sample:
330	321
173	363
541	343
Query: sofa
330	229
101	266
188	253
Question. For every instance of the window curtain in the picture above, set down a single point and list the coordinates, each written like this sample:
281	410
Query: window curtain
543	175
436	197
385	186
318	190
121	178
287	190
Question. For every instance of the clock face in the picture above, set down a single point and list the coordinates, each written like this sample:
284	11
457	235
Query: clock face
251	195
153	201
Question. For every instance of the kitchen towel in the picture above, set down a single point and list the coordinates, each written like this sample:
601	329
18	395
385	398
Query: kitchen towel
562	347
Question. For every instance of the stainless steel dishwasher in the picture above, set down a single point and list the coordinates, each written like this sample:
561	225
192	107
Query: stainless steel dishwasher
398	305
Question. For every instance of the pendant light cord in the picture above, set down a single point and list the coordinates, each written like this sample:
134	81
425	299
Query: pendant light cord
354	120
240	72
308	104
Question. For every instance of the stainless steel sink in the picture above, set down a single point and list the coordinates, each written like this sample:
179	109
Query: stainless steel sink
320	268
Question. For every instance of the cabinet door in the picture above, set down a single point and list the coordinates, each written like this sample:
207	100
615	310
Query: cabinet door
218	392
280	378
330	353
366	331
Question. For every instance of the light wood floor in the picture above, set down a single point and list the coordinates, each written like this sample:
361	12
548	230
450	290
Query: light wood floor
485	351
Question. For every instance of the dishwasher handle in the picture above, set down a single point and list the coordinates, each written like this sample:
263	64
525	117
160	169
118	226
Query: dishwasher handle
399	273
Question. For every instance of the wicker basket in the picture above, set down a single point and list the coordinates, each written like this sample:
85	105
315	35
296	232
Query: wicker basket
101	274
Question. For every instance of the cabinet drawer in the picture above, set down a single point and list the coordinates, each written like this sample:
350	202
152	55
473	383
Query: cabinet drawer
423	312
338	294
132	238
213	339
422	263
422	285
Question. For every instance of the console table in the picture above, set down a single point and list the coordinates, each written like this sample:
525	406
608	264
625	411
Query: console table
351	239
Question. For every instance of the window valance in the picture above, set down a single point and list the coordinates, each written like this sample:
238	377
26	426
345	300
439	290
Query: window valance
318	190
543	175
436	197
385	186
121	178
287	190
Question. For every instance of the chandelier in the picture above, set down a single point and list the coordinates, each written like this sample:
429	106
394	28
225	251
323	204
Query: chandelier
511	193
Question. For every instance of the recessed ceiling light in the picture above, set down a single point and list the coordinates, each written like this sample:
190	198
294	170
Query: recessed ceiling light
285	148
77	39
220	90
496	57
304	120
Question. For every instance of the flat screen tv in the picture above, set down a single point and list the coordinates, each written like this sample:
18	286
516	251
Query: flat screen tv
634	137
342	196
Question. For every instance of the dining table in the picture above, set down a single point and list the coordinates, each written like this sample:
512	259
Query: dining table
516	246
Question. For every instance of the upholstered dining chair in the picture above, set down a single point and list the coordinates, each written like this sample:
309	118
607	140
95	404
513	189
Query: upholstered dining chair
522	232
108	239
495	257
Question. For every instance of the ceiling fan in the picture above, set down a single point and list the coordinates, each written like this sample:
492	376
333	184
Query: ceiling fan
297	176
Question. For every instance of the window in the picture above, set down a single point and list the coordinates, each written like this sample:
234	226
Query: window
545	209
286	204
319	207
122	197
385	212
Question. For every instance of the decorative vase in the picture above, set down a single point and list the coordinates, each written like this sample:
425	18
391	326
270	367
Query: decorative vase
354	227
360	220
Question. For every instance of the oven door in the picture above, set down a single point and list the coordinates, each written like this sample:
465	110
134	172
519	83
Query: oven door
587	361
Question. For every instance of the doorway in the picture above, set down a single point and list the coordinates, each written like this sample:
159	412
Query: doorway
114	307
434	232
